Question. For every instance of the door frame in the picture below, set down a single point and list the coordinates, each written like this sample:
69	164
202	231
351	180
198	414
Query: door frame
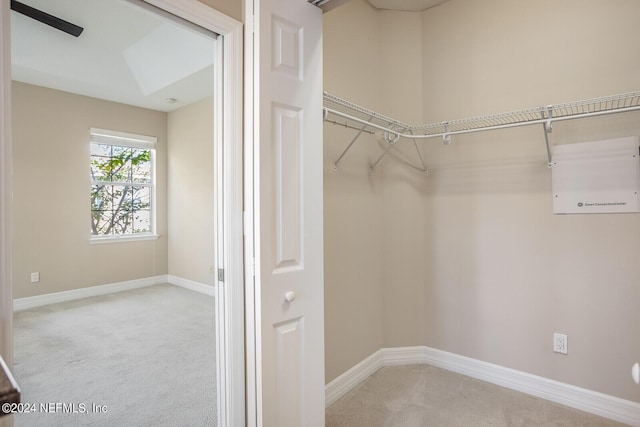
228	144
6	174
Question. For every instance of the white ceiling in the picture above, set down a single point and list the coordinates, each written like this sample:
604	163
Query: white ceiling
125	54
406	5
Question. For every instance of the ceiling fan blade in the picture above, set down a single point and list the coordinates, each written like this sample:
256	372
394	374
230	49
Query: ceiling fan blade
47	19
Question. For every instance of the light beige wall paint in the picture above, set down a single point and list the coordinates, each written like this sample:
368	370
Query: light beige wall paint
190	192
488	57
472	259
232	8
51	193
352	197
503	272
404	188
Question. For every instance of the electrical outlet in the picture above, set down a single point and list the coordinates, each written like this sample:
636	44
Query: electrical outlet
35	277
560	343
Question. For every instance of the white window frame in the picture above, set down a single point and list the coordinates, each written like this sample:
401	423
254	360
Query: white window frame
131	140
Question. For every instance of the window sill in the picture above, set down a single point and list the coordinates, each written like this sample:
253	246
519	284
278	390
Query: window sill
121	239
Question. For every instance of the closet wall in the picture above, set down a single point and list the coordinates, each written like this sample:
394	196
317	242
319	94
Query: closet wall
362	48
352	197
471	259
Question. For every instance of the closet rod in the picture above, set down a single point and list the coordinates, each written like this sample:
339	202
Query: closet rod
348	126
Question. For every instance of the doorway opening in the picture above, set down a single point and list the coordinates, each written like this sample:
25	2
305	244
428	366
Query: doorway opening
222	107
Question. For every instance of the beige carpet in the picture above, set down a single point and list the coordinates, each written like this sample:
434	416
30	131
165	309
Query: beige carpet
422	395
146	355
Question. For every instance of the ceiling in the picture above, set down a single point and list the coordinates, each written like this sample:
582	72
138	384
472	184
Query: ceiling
125	54
406	5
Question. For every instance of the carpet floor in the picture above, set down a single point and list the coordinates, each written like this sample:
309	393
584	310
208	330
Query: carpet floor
147	356
422	396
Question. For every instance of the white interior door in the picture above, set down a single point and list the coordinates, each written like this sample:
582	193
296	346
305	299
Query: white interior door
285	45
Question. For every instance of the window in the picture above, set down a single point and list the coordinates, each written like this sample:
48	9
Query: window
122	185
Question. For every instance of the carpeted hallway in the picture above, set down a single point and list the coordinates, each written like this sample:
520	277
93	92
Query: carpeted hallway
146	355
423	396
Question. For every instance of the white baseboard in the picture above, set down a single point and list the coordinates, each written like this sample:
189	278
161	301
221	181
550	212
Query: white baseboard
92	291
354	376
565	394
192	285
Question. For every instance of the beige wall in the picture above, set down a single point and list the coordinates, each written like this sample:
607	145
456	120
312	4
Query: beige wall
404	187
232	8
473	260
190	186
352	197
51	193
362	47
505	273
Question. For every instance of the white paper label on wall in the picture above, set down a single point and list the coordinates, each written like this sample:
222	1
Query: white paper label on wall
596	177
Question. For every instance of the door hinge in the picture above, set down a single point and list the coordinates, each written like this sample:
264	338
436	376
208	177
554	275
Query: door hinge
220	275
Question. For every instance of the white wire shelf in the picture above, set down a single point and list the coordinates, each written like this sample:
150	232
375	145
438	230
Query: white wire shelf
362	113
571	110
350	115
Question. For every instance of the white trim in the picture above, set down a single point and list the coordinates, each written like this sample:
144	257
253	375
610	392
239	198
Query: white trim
354	376
399	356
122	139
601	404
565	394
192	285
250	169
121	238
92	291
6	189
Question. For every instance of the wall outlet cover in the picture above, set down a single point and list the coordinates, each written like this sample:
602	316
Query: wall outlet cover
560	343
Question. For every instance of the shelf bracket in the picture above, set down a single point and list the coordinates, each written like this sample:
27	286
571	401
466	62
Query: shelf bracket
335	164
391	141
425	170
446	136
548	128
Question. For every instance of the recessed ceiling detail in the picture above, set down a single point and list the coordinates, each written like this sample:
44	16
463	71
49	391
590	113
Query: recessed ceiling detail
182	54
125	54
